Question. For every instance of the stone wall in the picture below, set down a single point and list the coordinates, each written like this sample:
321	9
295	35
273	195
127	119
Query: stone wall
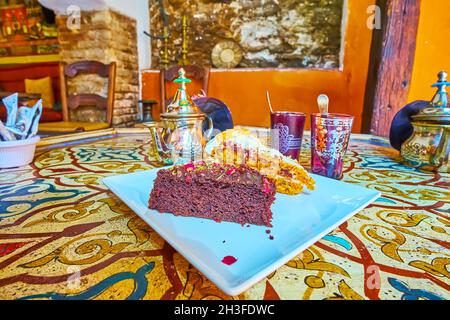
105	36
271	33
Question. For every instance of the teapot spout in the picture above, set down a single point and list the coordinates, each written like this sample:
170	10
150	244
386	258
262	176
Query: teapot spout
160	149
441	157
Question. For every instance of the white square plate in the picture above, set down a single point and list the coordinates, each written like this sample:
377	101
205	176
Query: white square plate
298	222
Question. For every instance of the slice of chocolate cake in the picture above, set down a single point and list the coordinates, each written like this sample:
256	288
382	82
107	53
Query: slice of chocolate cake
213	191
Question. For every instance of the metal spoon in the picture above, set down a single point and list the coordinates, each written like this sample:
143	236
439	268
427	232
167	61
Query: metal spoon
323	102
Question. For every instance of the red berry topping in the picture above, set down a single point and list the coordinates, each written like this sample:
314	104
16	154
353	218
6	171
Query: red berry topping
266	186
189	167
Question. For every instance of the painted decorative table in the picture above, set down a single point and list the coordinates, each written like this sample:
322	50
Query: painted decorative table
63	235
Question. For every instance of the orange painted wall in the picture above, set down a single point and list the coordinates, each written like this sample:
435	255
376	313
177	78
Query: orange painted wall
432	48
243	90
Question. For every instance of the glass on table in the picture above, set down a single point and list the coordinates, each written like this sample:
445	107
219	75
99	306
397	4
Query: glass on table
330	135
287	132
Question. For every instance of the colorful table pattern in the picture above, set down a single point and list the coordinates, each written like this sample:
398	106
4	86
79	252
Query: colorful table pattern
64	235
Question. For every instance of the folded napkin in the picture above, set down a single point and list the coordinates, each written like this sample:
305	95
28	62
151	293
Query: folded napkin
21	123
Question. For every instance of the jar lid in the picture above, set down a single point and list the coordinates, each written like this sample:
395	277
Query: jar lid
439	109
436	118
182	105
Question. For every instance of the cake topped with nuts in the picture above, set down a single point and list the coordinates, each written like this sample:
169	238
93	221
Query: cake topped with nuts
233	193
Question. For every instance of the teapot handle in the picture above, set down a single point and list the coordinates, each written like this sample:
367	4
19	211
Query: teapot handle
209	132
442	152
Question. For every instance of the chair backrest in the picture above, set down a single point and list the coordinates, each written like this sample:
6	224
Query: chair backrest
76	100
192	72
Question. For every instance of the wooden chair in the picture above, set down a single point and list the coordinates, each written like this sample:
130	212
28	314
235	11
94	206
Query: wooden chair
192	72
71	102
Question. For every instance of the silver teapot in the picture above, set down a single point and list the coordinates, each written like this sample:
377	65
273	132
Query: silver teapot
179	137
429	146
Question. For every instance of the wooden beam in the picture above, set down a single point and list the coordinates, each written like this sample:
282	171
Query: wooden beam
392	60
376	50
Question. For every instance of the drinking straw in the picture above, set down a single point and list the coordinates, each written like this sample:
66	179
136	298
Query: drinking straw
268	100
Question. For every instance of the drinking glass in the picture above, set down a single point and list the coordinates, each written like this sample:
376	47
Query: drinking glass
330	135
287	132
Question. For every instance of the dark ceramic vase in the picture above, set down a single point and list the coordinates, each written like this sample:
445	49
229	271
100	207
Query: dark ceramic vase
217	111
401	127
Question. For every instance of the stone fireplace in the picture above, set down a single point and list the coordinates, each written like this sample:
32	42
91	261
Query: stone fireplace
106	36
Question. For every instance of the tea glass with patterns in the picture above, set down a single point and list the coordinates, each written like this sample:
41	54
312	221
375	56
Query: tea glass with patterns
330	136
287	132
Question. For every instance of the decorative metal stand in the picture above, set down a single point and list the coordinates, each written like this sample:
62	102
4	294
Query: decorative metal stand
165	57
184	61
164	61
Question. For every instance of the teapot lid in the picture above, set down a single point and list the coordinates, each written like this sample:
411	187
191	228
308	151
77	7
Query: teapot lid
439	108
182	105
